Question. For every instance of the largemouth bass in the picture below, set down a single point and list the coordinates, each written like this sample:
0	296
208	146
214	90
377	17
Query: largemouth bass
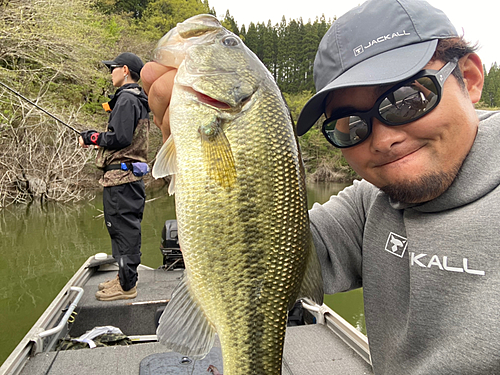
240	201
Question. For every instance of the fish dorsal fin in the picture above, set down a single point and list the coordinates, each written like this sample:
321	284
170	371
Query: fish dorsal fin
166	163
312	284
217	154
184	327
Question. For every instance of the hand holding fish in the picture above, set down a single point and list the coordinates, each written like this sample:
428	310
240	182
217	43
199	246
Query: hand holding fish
158	82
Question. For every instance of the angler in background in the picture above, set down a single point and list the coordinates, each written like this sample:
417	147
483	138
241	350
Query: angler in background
122	155
419	233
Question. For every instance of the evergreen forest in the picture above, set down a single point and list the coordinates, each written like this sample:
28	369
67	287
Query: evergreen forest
51	52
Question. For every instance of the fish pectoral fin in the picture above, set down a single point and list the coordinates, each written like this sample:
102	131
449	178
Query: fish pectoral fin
218	156
166	162
171	186
184	327
312	284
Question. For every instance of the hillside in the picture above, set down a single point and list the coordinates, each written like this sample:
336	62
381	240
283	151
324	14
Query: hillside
51	52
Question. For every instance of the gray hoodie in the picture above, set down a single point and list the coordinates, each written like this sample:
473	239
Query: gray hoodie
430	272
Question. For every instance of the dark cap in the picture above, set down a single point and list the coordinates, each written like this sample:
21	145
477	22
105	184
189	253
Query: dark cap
133	62
376	43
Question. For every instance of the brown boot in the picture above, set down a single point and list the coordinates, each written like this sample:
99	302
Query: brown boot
115	293
109	283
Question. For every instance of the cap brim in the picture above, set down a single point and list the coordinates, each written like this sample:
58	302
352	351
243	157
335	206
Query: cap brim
388	67
109	63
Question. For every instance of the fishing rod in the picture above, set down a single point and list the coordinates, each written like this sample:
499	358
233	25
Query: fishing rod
40	108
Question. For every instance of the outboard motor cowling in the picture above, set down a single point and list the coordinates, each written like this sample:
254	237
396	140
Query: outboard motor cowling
172	255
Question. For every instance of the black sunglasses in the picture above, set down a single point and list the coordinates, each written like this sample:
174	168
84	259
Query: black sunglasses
403	103
112	67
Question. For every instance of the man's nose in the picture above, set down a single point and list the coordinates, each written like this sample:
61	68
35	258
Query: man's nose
384	137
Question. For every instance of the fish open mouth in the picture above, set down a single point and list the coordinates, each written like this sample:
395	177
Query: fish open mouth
208	100
205	99
211	101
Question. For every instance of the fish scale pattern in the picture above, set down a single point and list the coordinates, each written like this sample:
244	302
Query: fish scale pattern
245	245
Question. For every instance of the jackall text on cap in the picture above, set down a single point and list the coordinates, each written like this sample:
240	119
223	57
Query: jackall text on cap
376	43
133	62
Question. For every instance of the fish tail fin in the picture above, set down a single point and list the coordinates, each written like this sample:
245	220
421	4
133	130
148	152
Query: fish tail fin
312	284
184	327
166	163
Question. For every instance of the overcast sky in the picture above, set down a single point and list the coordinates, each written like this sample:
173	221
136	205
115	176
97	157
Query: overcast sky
477	18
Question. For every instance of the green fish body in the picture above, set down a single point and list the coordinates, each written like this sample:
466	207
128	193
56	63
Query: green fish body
240	201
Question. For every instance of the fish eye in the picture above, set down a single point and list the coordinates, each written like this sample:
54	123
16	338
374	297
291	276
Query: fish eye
230	41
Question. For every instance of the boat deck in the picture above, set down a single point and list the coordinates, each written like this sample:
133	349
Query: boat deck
134	316
309	349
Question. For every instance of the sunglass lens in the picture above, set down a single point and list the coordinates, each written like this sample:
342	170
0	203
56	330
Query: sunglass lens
347	131
409	102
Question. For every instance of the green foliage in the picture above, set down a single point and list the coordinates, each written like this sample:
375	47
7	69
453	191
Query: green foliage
162	15
490	97
134	8
323	162
287	50
229	23
51	51
297	101
113	29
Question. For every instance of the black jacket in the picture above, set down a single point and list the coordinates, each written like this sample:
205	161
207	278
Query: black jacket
129	105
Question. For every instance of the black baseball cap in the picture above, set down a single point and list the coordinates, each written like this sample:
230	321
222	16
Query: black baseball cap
379	42
133	62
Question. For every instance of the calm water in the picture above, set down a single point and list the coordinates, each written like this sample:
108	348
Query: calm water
42	247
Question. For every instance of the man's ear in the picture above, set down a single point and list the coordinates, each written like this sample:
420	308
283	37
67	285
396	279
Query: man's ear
472	70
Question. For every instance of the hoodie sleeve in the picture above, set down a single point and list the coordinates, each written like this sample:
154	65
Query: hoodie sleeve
122	123
338	228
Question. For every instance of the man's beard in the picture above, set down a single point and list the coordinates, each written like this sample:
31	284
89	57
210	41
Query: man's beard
423	189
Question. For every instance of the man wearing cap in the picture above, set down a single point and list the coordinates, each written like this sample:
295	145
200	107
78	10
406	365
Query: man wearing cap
121	147
419	232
